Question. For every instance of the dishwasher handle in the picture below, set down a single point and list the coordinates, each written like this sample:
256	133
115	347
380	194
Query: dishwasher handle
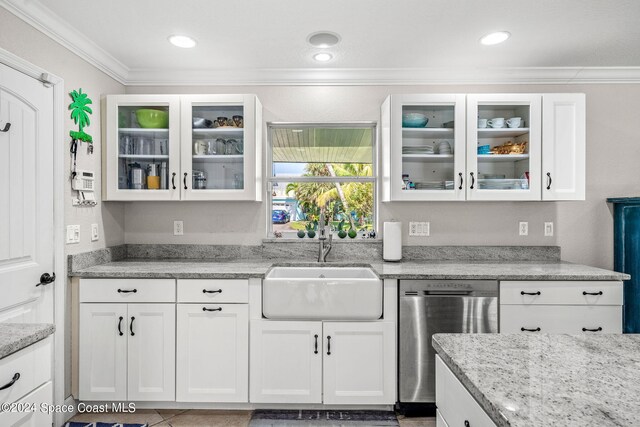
447	292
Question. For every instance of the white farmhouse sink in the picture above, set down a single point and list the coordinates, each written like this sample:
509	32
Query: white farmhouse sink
322	293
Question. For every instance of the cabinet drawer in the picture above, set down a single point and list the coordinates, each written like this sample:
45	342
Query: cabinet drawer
33	364
37	418
563	319
213	290
561	292
127	290
455	405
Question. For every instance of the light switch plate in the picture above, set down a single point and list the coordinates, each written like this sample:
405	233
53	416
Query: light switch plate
548	229
523	228
178	228
73	234
419	229
94	232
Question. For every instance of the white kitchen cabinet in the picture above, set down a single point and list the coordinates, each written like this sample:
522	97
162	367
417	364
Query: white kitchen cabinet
127	352
414	153
570	307
103	352
212	353
37	418
359	363
456	406
542	154
151	354
564	146
286	362
322	362
181	158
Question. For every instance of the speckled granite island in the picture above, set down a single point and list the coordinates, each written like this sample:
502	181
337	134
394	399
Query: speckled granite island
16	336
548	380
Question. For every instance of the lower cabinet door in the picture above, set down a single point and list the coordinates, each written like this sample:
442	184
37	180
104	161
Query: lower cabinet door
36	418
213	353
103	352
561	319
286	362
359	362
151	331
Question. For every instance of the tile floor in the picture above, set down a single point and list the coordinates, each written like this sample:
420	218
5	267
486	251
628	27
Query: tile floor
203	418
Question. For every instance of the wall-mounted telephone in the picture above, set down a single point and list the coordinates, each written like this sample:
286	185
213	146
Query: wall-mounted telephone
84	183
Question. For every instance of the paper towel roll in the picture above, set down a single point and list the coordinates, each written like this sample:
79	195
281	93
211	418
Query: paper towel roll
392	241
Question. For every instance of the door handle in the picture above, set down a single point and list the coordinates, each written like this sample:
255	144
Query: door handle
328	345
219	291
120	326
530	330
173	180
315	348
473	180
131	326
45	279
211	309
15	378
461	180
6	128
549	180
185	180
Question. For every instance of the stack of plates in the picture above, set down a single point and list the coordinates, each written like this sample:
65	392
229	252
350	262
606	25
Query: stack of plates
434	185
417	150
444	148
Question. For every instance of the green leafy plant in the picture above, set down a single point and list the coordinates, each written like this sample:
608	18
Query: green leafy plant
80	112
341	233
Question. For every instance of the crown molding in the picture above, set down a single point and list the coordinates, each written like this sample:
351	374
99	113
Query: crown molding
44	20
41	18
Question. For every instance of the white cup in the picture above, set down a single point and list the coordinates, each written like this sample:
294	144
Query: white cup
514	122
199	147
496	123
482	123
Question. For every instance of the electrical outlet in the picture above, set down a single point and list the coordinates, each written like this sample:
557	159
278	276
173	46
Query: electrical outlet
73	234
418	229
178	228
524	228
94	232
548	229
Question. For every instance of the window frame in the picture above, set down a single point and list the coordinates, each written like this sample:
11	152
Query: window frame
270	179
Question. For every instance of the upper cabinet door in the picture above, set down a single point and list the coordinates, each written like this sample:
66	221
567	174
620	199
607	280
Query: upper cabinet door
504	144
423	147
563	146
221	147
141	147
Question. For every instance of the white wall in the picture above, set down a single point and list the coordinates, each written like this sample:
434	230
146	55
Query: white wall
23	40
582	229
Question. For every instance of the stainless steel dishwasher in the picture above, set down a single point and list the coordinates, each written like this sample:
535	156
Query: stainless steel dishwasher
429	307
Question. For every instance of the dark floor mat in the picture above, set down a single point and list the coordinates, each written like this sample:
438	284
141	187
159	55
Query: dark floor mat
315	418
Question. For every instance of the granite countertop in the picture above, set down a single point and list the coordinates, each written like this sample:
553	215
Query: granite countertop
487	270
16	336
548	380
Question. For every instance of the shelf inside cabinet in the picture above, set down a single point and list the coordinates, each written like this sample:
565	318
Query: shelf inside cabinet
218	158
143	131
502	157
502	132
427	132
144	156
219	131
427	158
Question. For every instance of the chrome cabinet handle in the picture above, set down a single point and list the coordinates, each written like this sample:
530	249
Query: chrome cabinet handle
15	378
461	180
211	309
46	278
530	330
549	180
6	128
473	180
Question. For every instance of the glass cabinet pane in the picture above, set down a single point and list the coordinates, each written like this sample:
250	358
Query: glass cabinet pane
428	147
143	147
218	147
503	147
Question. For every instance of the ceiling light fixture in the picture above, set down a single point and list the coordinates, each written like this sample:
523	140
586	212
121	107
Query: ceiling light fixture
323	39
495	38
182	41
323	57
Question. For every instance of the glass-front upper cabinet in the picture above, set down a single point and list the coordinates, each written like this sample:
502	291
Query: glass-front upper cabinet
424	138
141	148
504	147
220	157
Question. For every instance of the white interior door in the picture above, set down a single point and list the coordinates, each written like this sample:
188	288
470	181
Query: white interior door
151	352
359	363
26	210
103	352
286	362
213	353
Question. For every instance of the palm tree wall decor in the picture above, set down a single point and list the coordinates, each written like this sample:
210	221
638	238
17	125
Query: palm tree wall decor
80	112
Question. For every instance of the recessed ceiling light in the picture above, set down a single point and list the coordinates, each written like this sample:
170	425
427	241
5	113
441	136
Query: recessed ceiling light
495	38
182	41
322	57
323	39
